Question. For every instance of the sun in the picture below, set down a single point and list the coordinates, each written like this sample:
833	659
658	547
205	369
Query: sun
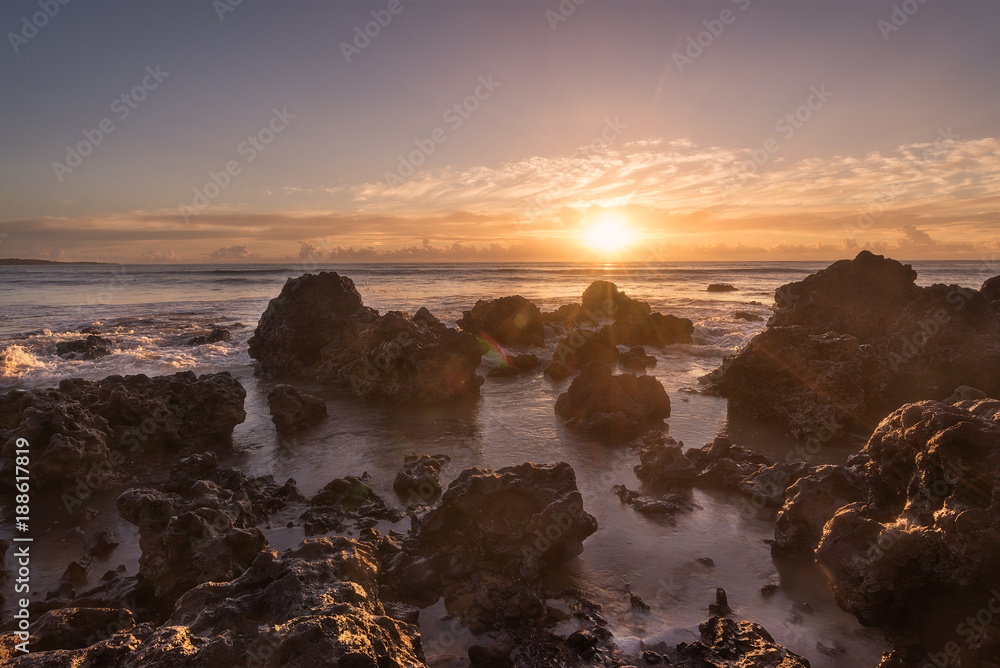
609	232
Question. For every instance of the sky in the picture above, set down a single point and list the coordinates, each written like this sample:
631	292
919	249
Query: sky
544	130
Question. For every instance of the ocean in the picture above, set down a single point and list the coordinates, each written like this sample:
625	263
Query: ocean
151	311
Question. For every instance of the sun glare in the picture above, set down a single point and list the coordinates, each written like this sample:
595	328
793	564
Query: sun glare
609	232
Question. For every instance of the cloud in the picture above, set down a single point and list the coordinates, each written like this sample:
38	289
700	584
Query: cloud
234	253
681	198
152	255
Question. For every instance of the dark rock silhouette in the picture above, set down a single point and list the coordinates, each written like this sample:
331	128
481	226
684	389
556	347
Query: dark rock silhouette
578	349
217	335
91	348
722	287
862	297
419	482
318	328
292	411
852	342
512	366
510	321
613	406
92	430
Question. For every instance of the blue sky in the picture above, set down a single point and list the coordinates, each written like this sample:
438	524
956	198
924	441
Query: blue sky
605	111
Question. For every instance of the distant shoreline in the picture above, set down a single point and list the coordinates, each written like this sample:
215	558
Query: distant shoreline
13	261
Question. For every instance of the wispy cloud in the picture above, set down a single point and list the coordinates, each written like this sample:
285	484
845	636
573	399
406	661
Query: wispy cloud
686	200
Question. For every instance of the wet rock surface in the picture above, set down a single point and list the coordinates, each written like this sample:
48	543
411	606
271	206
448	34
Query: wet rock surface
91	348
318	329
920	554
343	502
613	406
217	335
510	321
292	411
852	342
809	504
487	544
419	483
202	526
512	366
721	287
809	381
313	605
92	431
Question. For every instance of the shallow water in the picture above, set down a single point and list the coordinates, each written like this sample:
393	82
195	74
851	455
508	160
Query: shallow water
512	422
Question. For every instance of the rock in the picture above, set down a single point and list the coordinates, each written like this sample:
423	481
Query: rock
748	316
182	411
217	335
666	505
419	483
102	543
946	337
662	462
769	590
603	299
86	433
311	314
721	606
578	349
852	342
65	438
991	289
809	504
569	315
317	328
647	329
817	384
636	359
613	406
510	321
767	486
862	298
91	348
343	500
496	517
511	366
75	628
707	562
722	287
313	605
202	531
637	604
487	545
722	464
729	643
184	544
77	571
921	552
293	411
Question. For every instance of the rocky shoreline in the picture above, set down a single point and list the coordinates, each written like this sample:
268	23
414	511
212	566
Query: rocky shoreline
906	530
